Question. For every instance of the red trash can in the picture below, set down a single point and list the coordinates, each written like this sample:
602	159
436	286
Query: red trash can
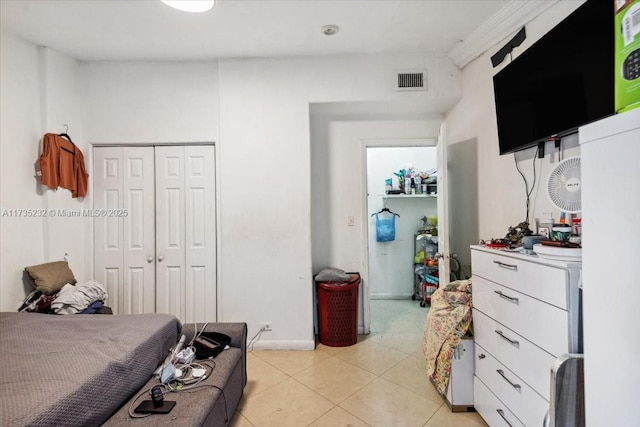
338	311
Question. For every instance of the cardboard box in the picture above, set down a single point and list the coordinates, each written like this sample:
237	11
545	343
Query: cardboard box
627	54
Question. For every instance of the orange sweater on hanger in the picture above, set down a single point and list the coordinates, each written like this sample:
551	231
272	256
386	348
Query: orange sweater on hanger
62	165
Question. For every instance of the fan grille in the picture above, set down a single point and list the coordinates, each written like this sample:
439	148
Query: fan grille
564	185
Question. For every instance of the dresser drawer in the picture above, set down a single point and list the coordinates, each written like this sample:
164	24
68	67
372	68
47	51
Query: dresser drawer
543	282
523	358
527	405
542	324
494	412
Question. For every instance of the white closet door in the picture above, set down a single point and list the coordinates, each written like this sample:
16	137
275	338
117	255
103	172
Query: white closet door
170	231
124	227
200	232
185	227
139	230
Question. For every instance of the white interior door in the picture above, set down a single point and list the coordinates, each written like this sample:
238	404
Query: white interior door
200	234
443	209
185	232
124	227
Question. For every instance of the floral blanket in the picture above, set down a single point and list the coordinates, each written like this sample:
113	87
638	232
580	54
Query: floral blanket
447	322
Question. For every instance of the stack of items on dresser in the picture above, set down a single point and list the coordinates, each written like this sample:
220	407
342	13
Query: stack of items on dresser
56	291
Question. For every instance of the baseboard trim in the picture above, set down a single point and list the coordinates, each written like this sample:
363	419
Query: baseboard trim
284	345
380	295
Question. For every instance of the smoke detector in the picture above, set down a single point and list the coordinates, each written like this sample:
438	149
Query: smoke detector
329	30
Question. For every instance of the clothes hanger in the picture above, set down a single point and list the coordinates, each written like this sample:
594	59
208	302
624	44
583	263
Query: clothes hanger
385	209
66	135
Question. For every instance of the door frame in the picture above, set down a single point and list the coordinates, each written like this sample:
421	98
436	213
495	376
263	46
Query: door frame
364	190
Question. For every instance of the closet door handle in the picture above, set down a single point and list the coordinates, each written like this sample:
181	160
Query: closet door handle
150	259
502	335
501	413
512	299
501	372
160	258
509	266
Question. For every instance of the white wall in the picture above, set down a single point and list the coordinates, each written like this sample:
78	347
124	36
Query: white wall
151	102
265	140
64	105
39	94
21	242
338	174
501	191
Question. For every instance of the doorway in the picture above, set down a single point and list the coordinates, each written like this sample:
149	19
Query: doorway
390	264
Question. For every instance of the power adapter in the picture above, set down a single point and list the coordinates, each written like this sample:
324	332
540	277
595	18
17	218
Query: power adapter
186	355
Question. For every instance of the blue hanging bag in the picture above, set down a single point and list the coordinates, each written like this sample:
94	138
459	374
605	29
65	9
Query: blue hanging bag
385	229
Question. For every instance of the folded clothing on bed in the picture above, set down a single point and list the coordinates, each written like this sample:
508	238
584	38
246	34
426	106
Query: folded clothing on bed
74	299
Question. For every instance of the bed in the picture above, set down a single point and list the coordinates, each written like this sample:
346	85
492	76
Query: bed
86	370
89	370
79	369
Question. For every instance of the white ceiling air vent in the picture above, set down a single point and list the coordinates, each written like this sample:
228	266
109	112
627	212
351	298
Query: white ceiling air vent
411	80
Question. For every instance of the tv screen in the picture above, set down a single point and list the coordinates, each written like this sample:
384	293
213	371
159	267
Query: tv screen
563	81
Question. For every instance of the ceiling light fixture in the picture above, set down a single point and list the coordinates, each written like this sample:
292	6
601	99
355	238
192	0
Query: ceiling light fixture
191	5
329	30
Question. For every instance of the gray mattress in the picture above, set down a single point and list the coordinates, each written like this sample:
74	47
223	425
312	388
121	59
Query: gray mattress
77	369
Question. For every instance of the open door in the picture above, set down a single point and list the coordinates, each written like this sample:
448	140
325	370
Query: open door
443	210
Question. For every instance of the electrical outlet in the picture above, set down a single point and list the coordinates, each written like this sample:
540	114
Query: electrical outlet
266	326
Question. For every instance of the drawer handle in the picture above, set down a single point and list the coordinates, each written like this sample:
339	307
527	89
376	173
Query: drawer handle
501	372
501	413
513	299
502	335
509	266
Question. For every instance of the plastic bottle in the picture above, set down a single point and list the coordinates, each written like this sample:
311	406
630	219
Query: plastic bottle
576	230
388	185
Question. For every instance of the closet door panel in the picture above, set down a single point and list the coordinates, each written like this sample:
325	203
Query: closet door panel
109	231
134	291
170	231
200	231
139	229
124	227
169	291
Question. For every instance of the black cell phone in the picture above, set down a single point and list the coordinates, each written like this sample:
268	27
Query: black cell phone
151	407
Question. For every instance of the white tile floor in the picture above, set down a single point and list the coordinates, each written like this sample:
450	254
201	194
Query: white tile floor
380	381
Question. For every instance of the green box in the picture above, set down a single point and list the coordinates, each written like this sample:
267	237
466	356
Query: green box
627	54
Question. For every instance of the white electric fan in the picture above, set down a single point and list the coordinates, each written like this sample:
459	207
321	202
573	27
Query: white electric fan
564	184
564	191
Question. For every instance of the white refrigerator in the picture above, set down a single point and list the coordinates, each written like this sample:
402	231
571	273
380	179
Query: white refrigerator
610	169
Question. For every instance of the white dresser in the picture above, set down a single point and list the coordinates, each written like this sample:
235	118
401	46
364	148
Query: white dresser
525	315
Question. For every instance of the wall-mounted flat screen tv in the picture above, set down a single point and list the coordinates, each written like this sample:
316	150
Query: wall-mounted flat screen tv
559	83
